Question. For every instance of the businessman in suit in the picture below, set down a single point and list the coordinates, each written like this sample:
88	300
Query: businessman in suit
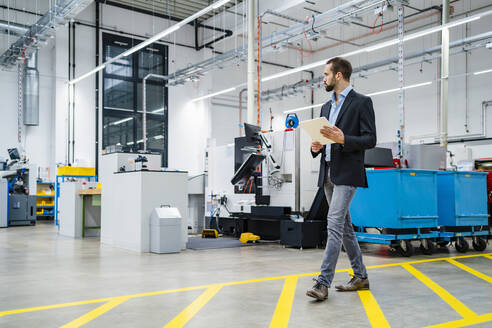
342	171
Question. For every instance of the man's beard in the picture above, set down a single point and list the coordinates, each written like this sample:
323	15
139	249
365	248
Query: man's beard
329	88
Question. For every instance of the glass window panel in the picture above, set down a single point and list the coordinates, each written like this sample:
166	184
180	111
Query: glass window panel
150	61
155	97
118	94
122	96
156	134
123	66
118	128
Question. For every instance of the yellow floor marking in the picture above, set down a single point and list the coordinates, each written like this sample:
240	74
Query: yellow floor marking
191	310
470	270
167	291
373	311
426	261
55	306
95	313
284	305
459	307
464	322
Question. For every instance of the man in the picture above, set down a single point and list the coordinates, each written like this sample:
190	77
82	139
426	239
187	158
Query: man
342	171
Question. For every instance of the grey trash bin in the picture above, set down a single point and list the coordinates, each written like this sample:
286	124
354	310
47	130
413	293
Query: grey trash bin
165	230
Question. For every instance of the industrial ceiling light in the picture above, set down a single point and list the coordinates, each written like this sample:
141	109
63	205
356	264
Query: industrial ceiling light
214	94
483	72
423	33
302	108
369	95
398	89
156	37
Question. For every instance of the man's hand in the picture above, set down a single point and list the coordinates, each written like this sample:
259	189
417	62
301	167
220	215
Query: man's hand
316	147
333	133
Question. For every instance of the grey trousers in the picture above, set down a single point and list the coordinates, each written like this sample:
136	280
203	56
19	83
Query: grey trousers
340	230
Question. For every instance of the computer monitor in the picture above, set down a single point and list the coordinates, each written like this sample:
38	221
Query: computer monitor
247	168
14	153
252	132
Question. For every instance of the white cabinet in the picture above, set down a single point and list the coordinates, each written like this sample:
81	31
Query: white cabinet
129	199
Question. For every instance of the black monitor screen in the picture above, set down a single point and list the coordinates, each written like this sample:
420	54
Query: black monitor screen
378	157
247	168
252	132
14	153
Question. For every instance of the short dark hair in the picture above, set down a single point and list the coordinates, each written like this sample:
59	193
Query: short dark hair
339	64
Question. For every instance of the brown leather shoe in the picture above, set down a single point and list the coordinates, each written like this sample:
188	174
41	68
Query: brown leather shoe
318	291
354	284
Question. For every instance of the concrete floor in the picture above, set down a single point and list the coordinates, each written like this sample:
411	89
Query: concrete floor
39	268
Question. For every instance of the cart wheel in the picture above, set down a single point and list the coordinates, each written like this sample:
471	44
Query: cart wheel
461	245
442	243
427	246
405	248
479	244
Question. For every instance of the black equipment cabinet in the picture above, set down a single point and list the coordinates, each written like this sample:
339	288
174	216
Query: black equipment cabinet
308	234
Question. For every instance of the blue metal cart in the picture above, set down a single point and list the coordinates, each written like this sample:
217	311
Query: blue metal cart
402	205
462	208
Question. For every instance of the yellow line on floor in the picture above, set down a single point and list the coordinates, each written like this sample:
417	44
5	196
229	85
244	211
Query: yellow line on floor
465	322
55	306
191	310
95	313
167	291
284	305
459	307
426	261
373	311
470	270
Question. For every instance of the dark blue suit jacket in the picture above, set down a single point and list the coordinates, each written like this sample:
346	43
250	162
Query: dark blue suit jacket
357	121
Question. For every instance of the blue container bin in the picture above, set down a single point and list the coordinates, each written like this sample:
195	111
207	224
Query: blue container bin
397	199
462	198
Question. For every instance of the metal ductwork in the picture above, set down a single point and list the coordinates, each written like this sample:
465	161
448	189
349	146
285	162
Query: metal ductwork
14	29
58	14
30	87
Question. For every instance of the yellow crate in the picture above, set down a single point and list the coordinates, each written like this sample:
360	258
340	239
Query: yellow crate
45	193
76	170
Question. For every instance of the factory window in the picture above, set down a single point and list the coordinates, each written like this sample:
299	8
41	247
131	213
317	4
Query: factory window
122	96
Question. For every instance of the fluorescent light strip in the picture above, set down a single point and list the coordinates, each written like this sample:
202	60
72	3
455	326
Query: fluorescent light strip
214	94
157	110
398	89
95	70
156	37
369	95
483	72
302	108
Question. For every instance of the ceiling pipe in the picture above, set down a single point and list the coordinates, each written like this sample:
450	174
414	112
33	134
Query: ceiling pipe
13	28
